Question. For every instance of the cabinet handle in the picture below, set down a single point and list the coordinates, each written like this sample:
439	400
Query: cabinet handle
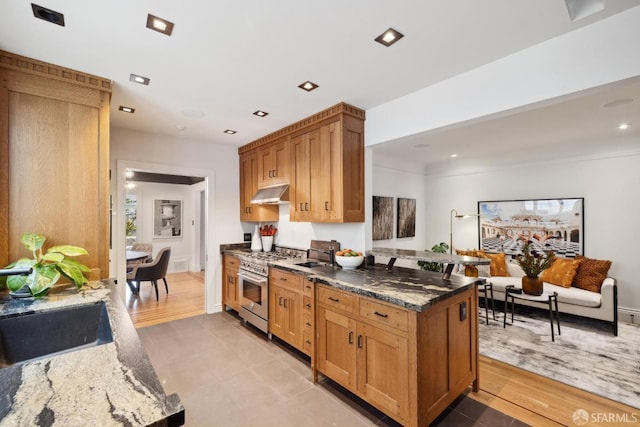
308	287
270	174
380	314
275	173
306	207
301	207
285	302
308	342
350	337
280	301
334	299
283	278
359	341
308	324
326	206
308	305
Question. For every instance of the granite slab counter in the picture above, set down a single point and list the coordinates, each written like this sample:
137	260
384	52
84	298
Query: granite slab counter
409	288
112	384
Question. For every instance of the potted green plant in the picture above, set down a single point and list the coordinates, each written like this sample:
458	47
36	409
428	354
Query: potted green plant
440	248
46	268
533	264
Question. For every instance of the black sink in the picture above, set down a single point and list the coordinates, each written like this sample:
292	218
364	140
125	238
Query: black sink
32	336
311	264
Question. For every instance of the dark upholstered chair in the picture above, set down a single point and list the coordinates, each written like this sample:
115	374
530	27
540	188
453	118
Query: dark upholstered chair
151	272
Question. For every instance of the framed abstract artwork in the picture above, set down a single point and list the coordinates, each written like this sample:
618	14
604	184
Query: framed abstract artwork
548	224
406	218
382	218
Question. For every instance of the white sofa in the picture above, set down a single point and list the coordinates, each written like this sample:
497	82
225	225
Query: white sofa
580	302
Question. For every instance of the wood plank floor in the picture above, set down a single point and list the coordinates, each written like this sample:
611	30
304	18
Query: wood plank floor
530	398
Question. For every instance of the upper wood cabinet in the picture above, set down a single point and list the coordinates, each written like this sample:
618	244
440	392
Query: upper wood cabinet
248	187
273	164
325	165
54	159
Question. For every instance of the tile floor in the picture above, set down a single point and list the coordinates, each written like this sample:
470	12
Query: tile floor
230	374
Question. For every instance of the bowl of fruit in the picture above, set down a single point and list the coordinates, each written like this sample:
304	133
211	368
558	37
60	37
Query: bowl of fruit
349	259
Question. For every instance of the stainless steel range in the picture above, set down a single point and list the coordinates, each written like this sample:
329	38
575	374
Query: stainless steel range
253	277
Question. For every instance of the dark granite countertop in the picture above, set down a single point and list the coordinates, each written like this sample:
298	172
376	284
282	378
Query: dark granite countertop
428	256
113	384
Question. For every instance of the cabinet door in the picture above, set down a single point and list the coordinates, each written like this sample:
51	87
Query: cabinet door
326	174
300	176
383	360
230	282
277	311
293	323
273	164
248	187
336	347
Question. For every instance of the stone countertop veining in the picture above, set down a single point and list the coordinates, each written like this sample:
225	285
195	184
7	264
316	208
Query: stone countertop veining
111	384
428	256
410	288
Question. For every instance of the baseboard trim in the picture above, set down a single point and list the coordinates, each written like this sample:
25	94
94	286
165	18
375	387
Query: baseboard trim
629	315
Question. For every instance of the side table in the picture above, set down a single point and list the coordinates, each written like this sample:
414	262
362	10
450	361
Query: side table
517	293
487	290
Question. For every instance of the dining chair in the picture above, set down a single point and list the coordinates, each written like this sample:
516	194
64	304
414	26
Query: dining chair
151	272
140	247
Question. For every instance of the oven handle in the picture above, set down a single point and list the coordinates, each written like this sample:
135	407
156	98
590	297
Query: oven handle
253	277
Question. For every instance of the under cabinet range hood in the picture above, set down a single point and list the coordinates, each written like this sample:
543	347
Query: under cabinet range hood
271	195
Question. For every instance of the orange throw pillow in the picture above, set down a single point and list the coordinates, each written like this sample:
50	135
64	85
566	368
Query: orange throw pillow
561	272
498	266
591	273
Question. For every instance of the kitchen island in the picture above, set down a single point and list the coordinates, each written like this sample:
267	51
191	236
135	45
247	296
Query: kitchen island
111	384
404	340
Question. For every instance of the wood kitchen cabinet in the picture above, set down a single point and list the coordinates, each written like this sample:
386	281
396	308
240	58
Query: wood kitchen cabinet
287	310
54	159
411	365
273	164
248	187
322	159
230	290
328	173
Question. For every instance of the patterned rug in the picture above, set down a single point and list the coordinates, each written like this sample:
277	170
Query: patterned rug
586	355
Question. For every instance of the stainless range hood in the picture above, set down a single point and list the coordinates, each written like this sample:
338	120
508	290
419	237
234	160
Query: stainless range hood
271	195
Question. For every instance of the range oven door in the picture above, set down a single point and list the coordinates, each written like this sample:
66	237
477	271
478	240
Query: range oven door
254	299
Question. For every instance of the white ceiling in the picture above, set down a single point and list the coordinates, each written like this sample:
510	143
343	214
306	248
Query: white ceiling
229	58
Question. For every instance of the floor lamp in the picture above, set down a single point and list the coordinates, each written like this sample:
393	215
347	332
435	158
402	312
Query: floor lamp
455	214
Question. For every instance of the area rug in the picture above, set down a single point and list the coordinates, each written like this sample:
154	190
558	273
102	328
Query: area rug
585	356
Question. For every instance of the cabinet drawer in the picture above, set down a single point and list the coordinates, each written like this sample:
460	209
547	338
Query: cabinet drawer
337	299
285	279
386	314
308	288
306	342
231	262
307	304
307	322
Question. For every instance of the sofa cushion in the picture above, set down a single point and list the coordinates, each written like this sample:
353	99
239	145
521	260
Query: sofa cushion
573	296
498	266
591	273
561	272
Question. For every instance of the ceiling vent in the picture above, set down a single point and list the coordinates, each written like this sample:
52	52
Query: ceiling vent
48	14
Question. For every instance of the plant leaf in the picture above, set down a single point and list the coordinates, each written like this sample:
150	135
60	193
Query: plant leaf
42	278
53	257
32	241
73	270
68	250
14	283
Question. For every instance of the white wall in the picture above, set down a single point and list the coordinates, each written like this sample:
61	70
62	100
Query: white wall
157	153
608	185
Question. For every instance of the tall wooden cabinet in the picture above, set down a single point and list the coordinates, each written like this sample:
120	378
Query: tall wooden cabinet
324	168
248	187
410	365
286	307
54	159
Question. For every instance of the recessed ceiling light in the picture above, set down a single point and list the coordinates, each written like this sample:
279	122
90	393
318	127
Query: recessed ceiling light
453	156
139	79
160	25
127	109
624	126
260	113
230	132
308	86
48	14
389	37
181	127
